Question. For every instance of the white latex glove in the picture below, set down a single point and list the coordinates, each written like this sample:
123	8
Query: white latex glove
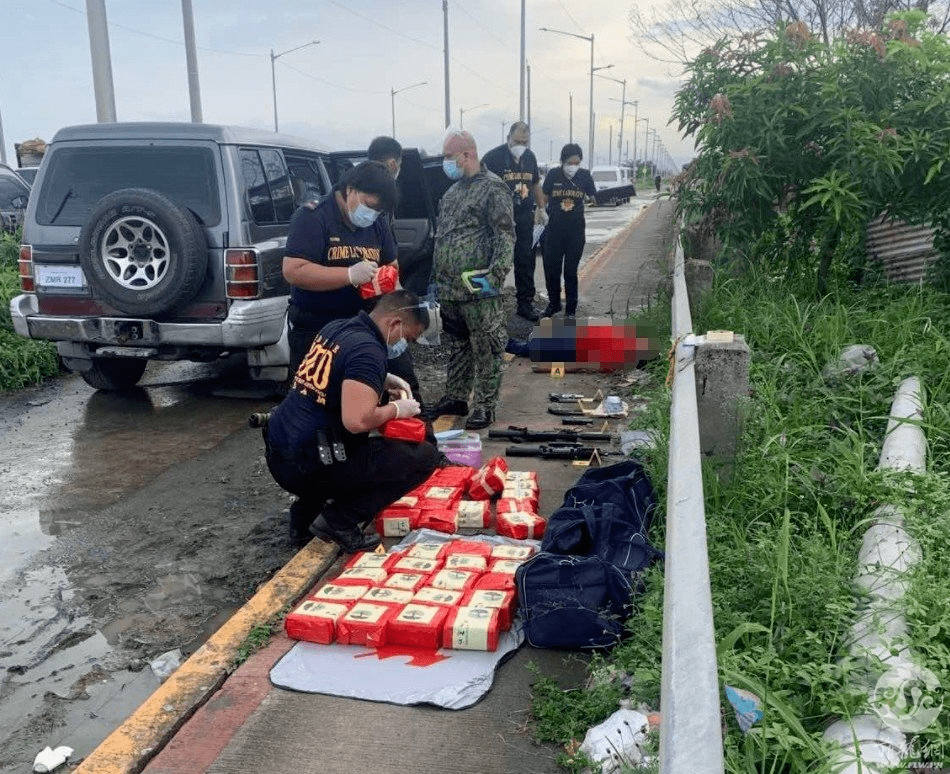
397	384
406	407
362	272
540	217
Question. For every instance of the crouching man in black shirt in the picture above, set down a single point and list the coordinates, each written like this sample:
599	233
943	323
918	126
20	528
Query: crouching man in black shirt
320	441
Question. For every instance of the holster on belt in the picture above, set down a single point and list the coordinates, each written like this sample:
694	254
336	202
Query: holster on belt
323	447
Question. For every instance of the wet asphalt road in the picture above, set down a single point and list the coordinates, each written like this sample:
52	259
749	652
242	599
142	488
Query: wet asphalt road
67	454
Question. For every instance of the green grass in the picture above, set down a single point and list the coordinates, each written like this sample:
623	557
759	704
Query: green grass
784	530
23	362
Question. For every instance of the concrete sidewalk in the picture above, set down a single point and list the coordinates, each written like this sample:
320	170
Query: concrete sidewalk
243	724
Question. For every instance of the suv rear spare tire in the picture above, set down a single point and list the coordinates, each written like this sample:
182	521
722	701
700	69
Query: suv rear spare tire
114	373
143	254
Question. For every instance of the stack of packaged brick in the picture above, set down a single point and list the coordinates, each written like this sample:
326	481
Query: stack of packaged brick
456	498
458	594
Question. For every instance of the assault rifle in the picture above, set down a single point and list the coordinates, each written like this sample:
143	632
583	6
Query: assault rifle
563	450
519	434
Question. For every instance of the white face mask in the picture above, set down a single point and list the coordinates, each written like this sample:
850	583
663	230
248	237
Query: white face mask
517	150
570	169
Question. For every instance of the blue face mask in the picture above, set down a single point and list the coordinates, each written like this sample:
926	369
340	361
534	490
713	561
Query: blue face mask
451	169
395	350
363	216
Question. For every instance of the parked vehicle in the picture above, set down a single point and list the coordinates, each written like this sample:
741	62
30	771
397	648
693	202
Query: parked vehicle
27	173
613	185
14	196
165	241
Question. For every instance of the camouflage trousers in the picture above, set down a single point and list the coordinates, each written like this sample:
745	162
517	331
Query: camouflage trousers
475	334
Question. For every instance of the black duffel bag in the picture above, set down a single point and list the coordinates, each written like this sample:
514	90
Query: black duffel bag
572	601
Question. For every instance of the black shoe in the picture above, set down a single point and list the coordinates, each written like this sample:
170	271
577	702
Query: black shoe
350	539
528	313
455	408
298	523
550	310
479	418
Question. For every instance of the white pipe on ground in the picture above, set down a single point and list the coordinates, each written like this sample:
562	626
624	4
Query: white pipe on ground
867	744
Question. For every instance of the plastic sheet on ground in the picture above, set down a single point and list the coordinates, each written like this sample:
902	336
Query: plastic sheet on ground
452	679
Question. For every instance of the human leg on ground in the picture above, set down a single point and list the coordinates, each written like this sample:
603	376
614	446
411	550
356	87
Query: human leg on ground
573	250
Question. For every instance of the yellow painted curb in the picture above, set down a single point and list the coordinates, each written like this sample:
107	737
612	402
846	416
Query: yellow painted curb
127	749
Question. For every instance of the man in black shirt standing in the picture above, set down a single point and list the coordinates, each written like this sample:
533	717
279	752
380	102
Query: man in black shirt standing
515	163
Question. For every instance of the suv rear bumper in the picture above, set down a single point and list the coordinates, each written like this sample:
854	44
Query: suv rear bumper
248	325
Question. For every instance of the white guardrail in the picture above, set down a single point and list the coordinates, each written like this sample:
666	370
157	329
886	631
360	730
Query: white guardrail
690	721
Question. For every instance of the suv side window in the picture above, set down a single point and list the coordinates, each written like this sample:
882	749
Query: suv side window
10	189
269	193
305	177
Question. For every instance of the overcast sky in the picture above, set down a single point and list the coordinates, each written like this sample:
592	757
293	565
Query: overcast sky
339	92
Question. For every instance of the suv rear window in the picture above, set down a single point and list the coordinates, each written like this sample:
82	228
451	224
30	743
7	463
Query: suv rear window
605	175
78	178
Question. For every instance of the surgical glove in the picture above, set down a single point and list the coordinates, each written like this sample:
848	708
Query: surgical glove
483	287
362	272
397	384
406	407
540	217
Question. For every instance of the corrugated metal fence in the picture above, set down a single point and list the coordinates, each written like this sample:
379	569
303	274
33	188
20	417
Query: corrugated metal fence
905	252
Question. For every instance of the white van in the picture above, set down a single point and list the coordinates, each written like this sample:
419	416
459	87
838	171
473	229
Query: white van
606	177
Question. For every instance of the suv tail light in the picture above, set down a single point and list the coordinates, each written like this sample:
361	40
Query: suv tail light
242	274
25	268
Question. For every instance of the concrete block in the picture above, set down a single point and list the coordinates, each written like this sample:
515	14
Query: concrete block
722	390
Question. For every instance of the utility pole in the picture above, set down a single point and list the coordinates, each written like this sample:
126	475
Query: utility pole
445	30
570	118
191	57
521	70
101	60
610	146
529	94
3	147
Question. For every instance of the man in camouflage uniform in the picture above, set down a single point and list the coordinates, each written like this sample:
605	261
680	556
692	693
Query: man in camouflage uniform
475	233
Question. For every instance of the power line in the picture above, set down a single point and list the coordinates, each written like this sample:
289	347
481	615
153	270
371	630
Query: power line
324	81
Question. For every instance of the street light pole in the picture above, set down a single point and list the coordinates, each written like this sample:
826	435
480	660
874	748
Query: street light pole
590	38
393	92
445	57
273	72
523	66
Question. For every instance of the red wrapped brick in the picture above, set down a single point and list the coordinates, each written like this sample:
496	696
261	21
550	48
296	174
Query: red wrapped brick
418	564
408	500
454	580
471	628
418	626
533	499
429	595
452	475
365	624
526	476
474	547
315	621
505	566
361	576
407	581
496	599
409	429
385	595
367	559
508	551
467	562
333	592
428	550
520	525
385	281
444	520
398	522
511	505
489	481
436	498
496	580
474	514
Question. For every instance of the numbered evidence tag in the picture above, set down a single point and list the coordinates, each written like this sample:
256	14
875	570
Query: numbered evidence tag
472	628
557	370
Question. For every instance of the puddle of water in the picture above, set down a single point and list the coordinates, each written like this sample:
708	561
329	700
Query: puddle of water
20	539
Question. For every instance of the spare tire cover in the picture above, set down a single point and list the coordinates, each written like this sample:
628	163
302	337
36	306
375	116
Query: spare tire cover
143	254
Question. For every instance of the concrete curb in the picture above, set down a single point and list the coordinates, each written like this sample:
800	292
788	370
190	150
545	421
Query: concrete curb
127	749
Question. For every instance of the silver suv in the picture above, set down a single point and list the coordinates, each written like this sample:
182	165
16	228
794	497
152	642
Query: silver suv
163	241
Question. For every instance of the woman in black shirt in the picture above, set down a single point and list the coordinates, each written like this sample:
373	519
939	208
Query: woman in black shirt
565	187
